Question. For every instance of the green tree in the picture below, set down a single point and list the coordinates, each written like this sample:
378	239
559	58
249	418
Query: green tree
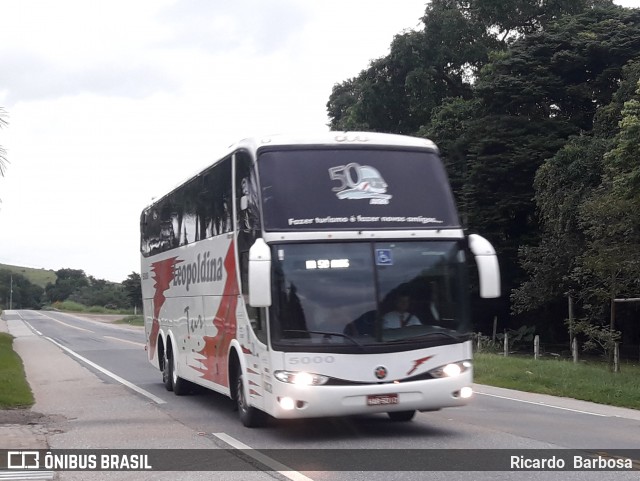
25	294
565	72
133	289
611	217
515	18
563	186
452	125
398	92
531	99
99	292
504	155
67	282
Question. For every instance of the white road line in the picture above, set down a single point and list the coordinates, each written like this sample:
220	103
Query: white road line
113	376
32	328
266	460
68	325
20	475
125	340
542	404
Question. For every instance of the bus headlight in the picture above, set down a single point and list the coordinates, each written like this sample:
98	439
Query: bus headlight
287	403
301	378
451	370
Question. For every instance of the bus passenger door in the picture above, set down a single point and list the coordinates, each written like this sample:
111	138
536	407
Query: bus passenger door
252	329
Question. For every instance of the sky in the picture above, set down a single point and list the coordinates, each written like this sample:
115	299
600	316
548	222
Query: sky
111	104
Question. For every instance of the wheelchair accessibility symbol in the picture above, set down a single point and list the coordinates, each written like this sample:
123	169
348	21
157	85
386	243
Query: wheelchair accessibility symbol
383	257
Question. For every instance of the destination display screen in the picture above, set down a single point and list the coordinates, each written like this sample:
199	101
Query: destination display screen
354	189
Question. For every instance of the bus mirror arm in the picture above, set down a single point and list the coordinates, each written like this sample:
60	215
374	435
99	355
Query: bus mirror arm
488	268
260	274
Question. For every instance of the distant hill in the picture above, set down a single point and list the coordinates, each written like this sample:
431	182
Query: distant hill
39	277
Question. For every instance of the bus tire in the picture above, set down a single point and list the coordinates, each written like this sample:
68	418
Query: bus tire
249	416
180	386
401	416
167	374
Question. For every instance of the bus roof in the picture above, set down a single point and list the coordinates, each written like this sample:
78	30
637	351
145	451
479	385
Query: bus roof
327	139
333	138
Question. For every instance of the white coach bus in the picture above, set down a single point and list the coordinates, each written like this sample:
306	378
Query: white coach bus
315	276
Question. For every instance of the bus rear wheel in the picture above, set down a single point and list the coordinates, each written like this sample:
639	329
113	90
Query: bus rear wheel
249	416
170	377
180	386
401	416
167	374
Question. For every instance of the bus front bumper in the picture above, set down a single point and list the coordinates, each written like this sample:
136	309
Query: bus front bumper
320	401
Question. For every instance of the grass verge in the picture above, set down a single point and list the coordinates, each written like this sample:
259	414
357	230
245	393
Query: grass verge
586	381
71	306
131	320
14	389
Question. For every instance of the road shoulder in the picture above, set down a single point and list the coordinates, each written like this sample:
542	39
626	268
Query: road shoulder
75	409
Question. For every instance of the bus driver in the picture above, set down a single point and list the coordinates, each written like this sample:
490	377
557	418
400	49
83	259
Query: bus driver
400	317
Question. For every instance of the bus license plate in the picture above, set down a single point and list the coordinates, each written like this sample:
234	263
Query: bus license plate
382	399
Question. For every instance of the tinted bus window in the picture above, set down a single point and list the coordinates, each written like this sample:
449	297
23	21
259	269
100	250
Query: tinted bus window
349	189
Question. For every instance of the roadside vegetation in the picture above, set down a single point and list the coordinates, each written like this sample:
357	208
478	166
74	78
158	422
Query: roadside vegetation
27	288
129	316
71	306
586	380
131	321
14	389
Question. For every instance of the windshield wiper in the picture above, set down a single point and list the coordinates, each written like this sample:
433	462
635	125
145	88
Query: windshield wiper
325	333
429	335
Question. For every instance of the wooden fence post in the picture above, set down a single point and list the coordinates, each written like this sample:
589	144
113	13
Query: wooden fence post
495	327
574	349
506	344
536	347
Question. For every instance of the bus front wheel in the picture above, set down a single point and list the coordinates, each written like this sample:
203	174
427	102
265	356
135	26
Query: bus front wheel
249	416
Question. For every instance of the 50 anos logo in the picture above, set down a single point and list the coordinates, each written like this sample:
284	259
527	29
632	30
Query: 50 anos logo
359	182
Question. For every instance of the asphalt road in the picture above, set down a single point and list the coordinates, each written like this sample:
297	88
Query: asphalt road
496	419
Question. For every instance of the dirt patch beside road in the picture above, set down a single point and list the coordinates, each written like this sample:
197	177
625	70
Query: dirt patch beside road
21	416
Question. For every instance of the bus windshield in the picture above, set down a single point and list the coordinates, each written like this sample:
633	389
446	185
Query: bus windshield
353	296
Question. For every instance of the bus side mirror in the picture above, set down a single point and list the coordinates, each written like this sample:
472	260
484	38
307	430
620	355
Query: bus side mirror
260	274
488	268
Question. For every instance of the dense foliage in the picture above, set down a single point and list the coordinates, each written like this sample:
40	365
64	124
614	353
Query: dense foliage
17	290
535	107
